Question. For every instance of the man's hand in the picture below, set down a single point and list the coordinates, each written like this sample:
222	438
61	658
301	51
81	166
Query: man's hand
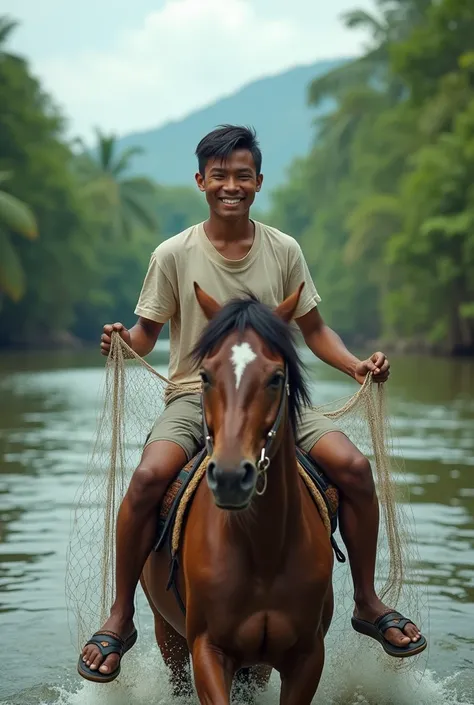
377	364
106	336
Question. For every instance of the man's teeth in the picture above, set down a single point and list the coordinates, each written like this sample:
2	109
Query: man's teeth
231	201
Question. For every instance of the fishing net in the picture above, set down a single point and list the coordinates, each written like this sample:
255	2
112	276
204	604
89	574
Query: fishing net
133	394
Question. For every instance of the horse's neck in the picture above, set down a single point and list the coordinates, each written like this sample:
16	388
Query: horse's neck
275	516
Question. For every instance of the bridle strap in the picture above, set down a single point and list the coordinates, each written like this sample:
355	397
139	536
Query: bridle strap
278	419
207	436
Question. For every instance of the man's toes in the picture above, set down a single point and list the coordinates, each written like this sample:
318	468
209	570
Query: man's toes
110	664
89	654
412	632
96	661
396	637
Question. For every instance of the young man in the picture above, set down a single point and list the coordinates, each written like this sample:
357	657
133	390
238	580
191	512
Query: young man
229	255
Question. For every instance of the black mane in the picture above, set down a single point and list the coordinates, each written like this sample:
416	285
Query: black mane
243	313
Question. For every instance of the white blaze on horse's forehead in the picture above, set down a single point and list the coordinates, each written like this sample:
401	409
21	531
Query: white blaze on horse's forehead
242	355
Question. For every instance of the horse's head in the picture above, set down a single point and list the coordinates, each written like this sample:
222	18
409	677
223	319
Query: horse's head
252	389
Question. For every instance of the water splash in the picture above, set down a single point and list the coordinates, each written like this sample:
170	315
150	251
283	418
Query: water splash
358	674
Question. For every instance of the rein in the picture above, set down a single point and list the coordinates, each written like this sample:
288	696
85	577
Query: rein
263	462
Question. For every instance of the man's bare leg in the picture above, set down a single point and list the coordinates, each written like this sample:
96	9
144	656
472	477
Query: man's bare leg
136	533
359	525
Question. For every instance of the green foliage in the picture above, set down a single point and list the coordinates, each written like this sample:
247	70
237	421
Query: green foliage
384	202
98	224
15	217
125	202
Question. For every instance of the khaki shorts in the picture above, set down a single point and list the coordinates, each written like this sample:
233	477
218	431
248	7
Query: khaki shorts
181	423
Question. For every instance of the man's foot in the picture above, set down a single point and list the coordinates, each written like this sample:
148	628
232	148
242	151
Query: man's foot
91	654
399	636
372	612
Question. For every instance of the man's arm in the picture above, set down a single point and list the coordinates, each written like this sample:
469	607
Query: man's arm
328	346
141	337
144	335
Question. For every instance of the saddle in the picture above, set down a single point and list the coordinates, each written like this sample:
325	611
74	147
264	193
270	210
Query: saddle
178	499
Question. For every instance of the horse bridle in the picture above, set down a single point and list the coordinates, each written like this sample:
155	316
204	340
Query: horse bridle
263	462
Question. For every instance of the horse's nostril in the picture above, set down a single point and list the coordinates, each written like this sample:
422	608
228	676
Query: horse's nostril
249	472
211	470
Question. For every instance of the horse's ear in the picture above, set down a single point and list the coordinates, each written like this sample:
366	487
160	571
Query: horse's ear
209	305
286	310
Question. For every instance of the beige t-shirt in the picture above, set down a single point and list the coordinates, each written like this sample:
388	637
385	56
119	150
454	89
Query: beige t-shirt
272	269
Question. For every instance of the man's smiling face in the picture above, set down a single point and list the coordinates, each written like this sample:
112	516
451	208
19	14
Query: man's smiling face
230	186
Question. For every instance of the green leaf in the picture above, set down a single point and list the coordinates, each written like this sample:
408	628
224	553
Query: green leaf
7	26
124	160
466	61
467	310
106	145
17	216
356	19
335	83
12	275
448	225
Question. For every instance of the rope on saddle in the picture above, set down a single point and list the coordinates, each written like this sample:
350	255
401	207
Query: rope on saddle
185	500
317	498
196	479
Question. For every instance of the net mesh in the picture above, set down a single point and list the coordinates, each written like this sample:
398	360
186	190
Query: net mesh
133	394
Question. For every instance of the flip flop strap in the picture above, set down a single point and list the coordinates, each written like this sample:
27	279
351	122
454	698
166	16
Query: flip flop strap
107	644
392	620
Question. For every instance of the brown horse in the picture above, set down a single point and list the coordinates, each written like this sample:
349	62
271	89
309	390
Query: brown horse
256	561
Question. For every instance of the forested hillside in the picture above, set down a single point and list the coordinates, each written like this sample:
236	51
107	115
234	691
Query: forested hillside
76	232
383	204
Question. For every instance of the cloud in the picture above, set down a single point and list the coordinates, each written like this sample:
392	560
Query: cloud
184	55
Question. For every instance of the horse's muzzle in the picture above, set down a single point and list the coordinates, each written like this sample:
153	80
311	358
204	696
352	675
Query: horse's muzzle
232	487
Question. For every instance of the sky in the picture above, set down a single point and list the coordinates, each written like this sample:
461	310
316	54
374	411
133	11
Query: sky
128	65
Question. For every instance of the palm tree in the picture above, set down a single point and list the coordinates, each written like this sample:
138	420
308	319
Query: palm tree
394	21
7	25
125	202
15	217
336	131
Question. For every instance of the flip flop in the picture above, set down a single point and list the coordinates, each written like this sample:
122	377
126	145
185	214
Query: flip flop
380	626
107	644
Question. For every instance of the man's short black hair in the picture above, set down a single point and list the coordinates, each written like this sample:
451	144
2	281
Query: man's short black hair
224	140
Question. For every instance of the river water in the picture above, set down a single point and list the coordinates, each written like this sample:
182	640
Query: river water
48	408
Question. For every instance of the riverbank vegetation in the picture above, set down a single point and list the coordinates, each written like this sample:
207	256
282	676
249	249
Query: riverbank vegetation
383	204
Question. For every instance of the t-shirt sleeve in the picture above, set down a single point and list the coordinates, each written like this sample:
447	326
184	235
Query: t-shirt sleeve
299	272
158	299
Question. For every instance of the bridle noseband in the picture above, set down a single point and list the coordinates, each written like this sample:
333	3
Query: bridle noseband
263	463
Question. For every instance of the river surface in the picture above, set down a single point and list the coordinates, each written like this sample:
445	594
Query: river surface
48	412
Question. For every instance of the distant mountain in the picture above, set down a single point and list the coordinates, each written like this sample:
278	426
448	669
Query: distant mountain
276	106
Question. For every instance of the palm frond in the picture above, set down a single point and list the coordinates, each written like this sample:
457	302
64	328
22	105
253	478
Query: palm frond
125	159
7	25
141	211
12	275
343	78
17	216
103	192
106	147
371	224
360	19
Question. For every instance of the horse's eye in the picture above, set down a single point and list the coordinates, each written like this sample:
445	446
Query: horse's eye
204	378
275	380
